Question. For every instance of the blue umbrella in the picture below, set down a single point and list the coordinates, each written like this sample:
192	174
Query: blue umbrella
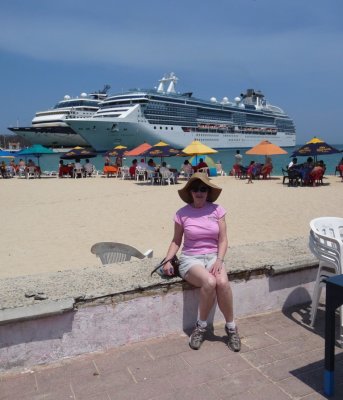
36	151
78	153
161	149
315	147
6	154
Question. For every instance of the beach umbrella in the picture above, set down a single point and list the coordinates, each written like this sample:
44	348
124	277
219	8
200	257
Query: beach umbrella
197	148
118	151
138	150
315	147
78	153
37	150
161	149
266	148
6	154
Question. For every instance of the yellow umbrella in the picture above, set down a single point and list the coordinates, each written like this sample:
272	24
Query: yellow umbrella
266	148
196	148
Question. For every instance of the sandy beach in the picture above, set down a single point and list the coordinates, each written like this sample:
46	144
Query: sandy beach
50	224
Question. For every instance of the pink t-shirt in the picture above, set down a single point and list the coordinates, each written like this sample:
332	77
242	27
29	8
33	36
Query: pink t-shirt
201	228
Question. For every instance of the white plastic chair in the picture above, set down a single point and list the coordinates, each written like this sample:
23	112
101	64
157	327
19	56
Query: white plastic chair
167	177
125	172
21	172
326	243
112	252
78	172
31	173
203	170
152	176
140	174
329	226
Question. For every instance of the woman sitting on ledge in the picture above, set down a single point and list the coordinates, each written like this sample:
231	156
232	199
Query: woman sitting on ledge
202	226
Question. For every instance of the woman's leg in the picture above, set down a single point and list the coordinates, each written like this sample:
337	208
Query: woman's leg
198	276
224	295
225	304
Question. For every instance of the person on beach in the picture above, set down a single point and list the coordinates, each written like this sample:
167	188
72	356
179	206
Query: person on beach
89	168
3	169
133	167
151	165
164	169
267	168
293	163
238	158
142	164
187	169
200	165
250	171
119	161
202	226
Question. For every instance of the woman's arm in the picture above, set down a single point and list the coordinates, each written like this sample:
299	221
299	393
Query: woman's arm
173	248
222	247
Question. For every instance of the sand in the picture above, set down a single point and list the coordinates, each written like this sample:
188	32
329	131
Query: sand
50	224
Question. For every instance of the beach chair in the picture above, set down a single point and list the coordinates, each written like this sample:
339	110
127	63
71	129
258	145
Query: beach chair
125	172
204	170
316	178
113	252
140	174
293	176
78	173
153	176
31	173
326	244
187	174
266	171
167	177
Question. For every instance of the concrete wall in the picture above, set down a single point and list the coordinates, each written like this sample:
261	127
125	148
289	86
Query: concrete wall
95	327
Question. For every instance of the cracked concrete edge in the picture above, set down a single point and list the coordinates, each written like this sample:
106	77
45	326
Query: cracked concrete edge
44	309
278	269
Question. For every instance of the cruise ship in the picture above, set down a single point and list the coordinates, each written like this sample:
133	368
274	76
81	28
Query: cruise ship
49	127
138	116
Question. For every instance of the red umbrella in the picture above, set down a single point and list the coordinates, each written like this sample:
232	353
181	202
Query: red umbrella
138	150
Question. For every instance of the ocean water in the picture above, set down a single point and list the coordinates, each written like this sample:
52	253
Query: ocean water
50	162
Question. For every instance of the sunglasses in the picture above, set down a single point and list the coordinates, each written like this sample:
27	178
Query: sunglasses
202	189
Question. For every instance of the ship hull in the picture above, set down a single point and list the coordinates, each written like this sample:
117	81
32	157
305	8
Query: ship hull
51	136
100	134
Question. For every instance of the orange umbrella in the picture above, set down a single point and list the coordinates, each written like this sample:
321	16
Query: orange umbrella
266	148
138	150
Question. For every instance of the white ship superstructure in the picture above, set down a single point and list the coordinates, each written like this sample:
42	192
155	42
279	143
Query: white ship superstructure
139	116
49	127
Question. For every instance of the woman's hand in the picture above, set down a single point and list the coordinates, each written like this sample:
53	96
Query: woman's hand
168	269
217	267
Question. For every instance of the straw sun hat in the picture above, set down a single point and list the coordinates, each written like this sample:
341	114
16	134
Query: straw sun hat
213	194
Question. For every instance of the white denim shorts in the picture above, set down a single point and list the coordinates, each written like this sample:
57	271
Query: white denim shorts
188	261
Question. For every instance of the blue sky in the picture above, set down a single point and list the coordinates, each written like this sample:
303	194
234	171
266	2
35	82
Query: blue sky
291	50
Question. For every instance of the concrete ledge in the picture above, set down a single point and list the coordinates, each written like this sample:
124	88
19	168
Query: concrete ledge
97	308
44	309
